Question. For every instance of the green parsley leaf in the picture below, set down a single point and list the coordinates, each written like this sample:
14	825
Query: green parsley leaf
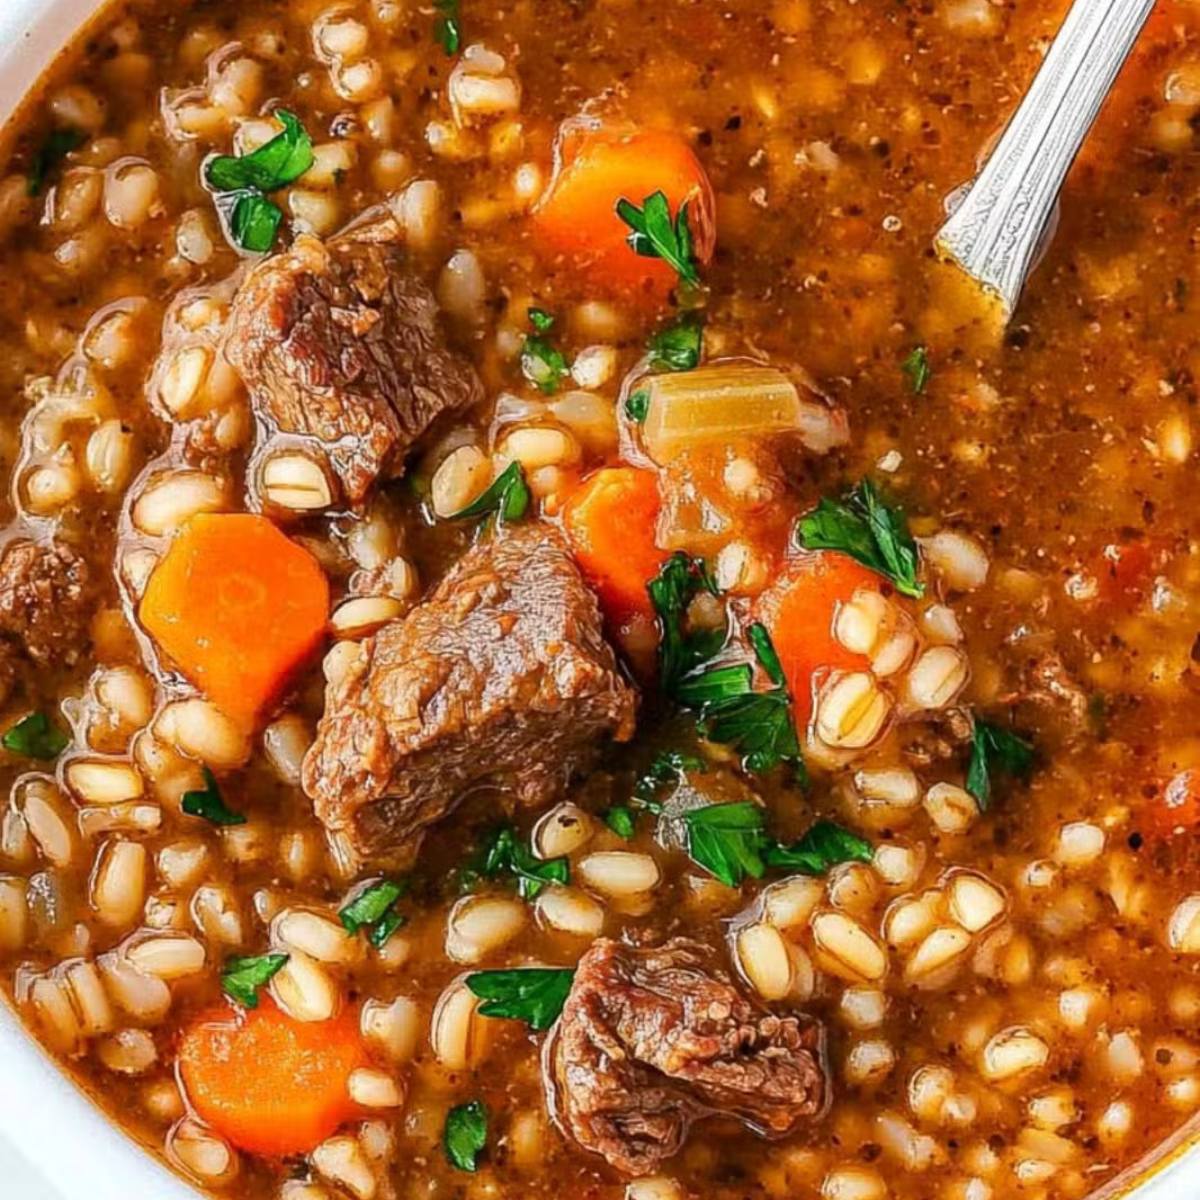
371	904
677	347
383	929
210	805
505	855
638	405
242	977
35	736
447	29
764	651
655	235
994	748
508	497
679	580
728	840
621	821
671	766
254	222
825	845
541	320
869	531
543	363
534	995
916	369
466	1131
273	165
56	145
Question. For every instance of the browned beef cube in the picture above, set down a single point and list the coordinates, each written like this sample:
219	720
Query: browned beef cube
340	342
650	1039
502	676
45	600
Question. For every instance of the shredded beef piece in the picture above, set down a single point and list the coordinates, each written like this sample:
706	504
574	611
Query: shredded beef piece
45	600
651	1039
502	676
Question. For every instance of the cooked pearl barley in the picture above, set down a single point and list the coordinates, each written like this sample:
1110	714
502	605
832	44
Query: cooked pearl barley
98	782
534	447
975	902
181	864
143	996
297	482
461	477
765	960
456	1031
897	866
1054	1109
52	487
119	883
215	911
1115	1122
936	678
167	956
363	615
910	919
940	949
200	1153
317	936
570	911
1079	844
1183	929
789	903
563	830
127	695
417	208
860	621
1122	1058
849	945
393	1028
109	456
852	711
336	665
854	1183
131	194
740	569
337	36
479	925
951	808
202	731
314	212
462	288
869	1062
341	1160
654	1187
305	989
958	559
41	806
14	913
286	741
941	625
594	366
55	1014
374	1089
895	787
172	499
1012	1052
128	1052
621	874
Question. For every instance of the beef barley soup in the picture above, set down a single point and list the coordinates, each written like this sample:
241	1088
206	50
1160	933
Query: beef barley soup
547	647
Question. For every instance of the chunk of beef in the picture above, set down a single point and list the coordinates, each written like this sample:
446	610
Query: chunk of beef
650	1039
45	600
341	343
502	676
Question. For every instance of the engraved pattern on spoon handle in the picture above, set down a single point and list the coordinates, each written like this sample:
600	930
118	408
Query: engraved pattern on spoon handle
995	231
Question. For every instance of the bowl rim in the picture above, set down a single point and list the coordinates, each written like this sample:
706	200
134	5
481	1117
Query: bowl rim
51	1118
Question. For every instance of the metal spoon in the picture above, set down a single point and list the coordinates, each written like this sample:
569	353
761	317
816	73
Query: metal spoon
996	230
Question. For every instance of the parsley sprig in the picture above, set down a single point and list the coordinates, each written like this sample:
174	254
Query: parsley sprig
35	736
917	370
542	362
209	804
374	910
504	854
669	766
535	995
447	28
677	347
465	1134
56	145
242	977
508	497
869	530
995	749
679	581
655	235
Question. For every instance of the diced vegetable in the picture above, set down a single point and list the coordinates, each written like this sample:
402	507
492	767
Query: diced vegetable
267	1083
610	523
598	167
718	402
798	611
238	608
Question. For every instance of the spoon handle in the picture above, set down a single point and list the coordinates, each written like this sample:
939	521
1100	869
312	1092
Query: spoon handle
995	232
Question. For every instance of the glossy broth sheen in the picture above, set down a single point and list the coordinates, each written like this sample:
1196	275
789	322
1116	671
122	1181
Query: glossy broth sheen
1063	446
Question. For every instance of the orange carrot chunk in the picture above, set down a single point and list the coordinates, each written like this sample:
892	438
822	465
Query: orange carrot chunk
799	610
610	524
596	167
237	607
270	1084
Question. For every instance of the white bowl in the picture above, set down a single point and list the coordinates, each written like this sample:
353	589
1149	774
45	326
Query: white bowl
41	1110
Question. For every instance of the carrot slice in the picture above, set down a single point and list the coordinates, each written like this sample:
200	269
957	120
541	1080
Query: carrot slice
799	609
596	167
237	607
268	1083
610	524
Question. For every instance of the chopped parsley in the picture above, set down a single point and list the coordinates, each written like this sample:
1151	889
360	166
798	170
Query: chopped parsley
621	821
464	1135
542	362
56	145
508	497
210	804
917	370
676	347
731	842
535	995
869	530
504	854
679	580
447	29
373	909
243	181
995	750
35	736
638	405
671	766
241	978
655	235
